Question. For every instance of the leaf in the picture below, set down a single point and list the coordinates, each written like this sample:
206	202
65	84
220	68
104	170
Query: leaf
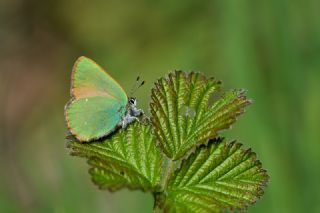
217	177
181	115
129	158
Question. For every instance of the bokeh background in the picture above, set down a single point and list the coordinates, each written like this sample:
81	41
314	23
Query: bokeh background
271	48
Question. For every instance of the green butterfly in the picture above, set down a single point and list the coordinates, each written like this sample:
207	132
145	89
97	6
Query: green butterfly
98	104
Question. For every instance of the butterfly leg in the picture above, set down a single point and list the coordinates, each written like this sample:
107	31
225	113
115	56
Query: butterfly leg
136	112
127	119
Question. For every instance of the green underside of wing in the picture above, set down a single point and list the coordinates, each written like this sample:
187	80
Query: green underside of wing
93	117
89	79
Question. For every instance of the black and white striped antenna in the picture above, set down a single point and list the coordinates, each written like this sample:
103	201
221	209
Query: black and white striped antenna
136	86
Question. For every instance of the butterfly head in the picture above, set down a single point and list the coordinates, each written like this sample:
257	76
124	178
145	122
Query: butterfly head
132	101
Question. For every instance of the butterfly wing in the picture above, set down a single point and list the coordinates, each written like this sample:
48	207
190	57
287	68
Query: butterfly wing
89	79
93	117
98	101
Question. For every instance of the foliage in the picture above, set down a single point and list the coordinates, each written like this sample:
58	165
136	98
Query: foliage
181	116
217	176
127	159
178	156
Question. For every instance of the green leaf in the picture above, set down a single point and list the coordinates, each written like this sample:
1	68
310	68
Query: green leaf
217	177
181	115
129	158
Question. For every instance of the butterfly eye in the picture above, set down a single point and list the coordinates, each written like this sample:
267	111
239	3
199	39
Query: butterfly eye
132	101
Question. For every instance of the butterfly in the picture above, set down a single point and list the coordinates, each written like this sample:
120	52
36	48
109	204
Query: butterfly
98	104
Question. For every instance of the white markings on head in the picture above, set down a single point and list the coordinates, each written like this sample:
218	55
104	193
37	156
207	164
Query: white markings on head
132	101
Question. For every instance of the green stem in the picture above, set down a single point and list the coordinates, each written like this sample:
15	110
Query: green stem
167	173
168	168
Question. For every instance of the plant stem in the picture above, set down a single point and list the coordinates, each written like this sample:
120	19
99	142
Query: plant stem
169	168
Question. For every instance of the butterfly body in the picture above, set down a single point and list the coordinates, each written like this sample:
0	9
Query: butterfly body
98	104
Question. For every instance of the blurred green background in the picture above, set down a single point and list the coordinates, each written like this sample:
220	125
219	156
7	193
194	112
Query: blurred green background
271	48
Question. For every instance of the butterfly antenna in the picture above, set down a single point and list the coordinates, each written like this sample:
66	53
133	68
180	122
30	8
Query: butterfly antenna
136	86
142	83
